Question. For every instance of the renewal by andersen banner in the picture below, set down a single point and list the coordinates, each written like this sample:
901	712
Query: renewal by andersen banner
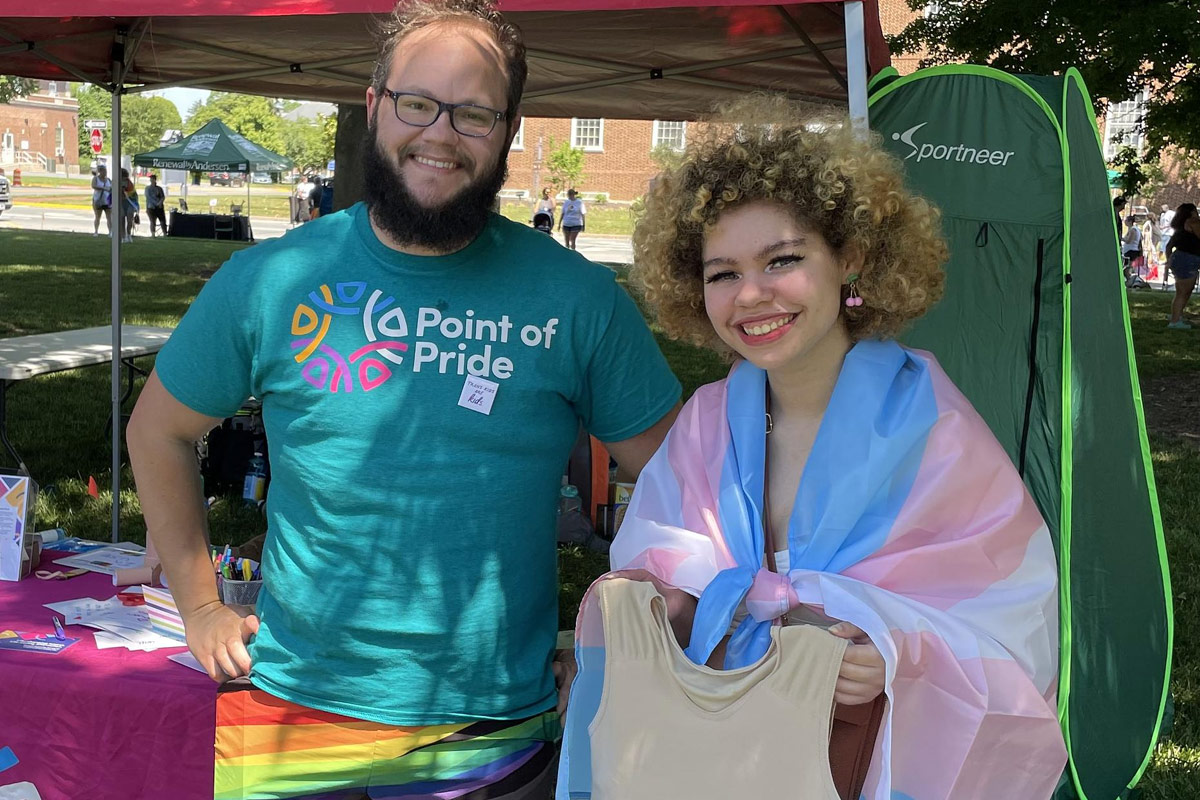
214	148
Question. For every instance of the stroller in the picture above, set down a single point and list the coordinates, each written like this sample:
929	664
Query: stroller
543	222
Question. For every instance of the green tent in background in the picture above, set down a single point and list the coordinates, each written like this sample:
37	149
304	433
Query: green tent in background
214	148
1034	328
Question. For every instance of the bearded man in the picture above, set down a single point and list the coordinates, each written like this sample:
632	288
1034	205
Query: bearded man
423	366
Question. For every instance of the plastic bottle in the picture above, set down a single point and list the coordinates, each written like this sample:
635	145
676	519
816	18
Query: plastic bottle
568	500
254	489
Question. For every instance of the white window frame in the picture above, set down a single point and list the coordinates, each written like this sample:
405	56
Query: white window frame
52	88
60	141
589	148
656	138
518	142
1123	125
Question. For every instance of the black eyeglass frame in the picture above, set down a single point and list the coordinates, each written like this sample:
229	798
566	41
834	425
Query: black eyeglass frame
443	108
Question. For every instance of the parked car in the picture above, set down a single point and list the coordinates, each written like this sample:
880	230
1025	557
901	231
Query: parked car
5	195
226	179
260	177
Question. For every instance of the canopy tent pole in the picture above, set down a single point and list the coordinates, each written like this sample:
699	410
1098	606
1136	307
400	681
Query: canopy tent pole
856	64
118	221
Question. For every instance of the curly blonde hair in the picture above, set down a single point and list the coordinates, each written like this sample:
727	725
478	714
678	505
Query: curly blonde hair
835	181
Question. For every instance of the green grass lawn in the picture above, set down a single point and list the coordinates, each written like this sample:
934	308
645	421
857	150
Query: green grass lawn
607	218
57	281
264	202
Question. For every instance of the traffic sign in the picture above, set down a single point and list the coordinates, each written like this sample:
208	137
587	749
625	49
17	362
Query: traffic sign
102	124
97	140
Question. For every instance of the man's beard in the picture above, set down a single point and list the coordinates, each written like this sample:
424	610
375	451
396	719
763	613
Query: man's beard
446	227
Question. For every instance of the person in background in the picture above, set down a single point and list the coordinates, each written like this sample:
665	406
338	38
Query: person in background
1164	229
424	368
1118	204
156	208
101	199
1183	259
1131	248
573	220
303	209
131	207
545	205
314	196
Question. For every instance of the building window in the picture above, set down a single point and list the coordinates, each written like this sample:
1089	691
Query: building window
518	142
670	134
1123	125
587	134
53	89
59	142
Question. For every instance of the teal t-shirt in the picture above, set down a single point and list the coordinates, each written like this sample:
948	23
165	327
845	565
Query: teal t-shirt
410	567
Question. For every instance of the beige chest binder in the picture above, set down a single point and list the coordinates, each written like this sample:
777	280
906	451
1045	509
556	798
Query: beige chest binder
668	728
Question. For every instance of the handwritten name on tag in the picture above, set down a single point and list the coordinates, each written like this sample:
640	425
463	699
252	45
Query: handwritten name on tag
478	394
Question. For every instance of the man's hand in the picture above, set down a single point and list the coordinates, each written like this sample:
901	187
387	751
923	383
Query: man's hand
863	672
565	669
217	635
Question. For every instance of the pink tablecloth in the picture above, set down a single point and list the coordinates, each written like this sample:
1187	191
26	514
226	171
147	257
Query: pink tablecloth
100	724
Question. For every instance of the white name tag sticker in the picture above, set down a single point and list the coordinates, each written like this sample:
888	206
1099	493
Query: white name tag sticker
478	394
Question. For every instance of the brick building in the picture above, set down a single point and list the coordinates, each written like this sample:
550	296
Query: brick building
40	130
617	159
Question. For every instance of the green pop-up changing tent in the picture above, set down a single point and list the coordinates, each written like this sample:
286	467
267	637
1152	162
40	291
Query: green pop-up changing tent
1034	328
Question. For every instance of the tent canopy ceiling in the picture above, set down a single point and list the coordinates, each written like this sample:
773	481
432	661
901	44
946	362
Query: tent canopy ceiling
214	148
664	59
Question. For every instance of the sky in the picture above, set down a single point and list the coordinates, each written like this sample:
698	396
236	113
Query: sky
182	98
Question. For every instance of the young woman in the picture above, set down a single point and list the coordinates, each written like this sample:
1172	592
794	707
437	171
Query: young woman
1183	259
888	509
101	199
573	220
131	208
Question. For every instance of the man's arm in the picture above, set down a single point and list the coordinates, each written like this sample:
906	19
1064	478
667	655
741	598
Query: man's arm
632	454
162	436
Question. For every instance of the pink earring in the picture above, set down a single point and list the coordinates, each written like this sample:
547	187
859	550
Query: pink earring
853	300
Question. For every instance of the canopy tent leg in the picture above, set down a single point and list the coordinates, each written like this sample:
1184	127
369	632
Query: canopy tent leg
856	64
118	217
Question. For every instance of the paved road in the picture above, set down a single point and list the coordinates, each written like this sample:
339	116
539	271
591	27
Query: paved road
607	249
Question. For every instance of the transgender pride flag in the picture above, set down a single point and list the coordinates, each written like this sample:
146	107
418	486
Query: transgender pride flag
910	522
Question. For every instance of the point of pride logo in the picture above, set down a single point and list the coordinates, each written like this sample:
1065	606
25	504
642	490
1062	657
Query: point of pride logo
324	367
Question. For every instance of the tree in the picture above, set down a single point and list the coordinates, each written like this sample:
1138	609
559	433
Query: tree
328	124
11	86
1120	49
144	120
302	144
1132	172
666	157
94	103
565	165
256	118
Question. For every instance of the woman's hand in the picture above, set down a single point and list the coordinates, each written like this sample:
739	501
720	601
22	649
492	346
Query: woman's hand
863	672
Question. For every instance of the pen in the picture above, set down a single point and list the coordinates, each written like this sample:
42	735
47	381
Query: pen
246	569
59	633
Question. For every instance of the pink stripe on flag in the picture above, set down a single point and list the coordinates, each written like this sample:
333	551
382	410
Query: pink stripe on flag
982	520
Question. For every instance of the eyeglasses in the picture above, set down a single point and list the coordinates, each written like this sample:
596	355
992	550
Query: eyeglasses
422	111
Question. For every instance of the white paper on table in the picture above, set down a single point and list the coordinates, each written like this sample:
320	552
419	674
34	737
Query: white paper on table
77	612
19	791
133	623
105	640
188	660
106	560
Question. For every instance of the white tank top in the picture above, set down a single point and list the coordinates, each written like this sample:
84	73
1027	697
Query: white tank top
668	728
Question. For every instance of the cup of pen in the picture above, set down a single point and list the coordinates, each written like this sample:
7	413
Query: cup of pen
239	581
